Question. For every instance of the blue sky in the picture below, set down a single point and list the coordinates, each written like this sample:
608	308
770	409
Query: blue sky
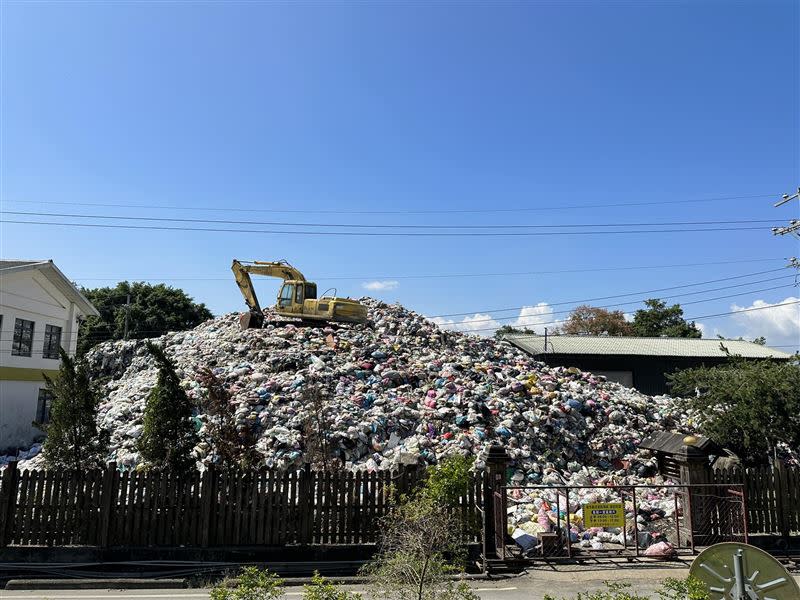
344	112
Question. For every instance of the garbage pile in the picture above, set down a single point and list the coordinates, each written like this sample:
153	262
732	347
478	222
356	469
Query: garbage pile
651	522
399	391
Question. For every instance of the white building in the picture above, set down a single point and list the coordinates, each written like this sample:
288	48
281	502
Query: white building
40	310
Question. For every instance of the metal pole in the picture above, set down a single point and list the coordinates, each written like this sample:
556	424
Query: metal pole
738	570
635	522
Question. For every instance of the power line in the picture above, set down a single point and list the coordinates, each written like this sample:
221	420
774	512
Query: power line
564	312
702	301
735	312
382	234
397	212
638	293
452	275
382	226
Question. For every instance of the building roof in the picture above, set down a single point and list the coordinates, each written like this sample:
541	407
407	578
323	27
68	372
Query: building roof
673	443
55	276
640	346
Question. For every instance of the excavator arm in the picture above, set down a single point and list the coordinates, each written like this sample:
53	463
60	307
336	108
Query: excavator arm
242	270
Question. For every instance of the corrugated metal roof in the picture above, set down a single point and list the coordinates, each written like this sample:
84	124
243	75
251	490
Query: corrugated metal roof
55	276
640	346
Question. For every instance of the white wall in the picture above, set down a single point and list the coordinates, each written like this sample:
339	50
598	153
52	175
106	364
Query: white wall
18	400
29	295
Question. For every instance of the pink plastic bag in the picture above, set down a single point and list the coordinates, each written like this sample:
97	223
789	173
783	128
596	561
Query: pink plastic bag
660	550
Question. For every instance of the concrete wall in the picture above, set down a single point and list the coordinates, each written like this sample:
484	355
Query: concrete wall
18	400
32	296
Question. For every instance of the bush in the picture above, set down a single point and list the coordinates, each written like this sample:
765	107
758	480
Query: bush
253	584
168	435
73	439
322	589
449	480
422	543
671	589
690	588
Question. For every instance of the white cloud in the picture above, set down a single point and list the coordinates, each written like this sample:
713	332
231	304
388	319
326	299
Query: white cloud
380	286
536	317
781	325
703	328
478	323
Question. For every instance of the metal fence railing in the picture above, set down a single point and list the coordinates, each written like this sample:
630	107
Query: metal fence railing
625	521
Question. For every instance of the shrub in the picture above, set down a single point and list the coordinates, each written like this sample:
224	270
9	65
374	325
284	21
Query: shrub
252	584
73	438
322	589
168	435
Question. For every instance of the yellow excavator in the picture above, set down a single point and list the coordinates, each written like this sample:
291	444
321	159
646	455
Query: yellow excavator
296	298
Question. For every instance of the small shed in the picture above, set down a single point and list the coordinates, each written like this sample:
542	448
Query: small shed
673	449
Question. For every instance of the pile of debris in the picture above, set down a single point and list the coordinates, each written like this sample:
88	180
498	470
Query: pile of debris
398	391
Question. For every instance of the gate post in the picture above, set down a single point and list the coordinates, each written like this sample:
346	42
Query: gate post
494	502
694	471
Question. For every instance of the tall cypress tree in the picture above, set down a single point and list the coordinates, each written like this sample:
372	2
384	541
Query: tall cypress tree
168	436
73	439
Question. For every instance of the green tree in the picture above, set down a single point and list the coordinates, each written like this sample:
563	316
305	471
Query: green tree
422	541
499	333
235	448
73	439
168	435
590	320
658	319
747	406
154	310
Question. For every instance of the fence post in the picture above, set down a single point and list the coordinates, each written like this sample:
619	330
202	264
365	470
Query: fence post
781	505
206	497
495	479
107	501
8	502
305	504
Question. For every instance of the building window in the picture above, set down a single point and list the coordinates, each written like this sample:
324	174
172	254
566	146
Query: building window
43	407
23	338
52	341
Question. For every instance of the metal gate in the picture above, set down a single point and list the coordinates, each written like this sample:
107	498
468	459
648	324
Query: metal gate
659	522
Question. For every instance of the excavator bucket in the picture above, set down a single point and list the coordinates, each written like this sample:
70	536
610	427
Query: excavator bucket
251	320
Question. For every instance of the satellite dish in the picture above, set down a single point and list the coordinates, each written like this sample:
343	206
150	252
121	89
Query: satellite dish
734	571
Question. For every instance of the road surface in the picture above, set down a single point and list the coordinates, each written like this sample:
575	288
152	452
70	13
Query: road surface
563	581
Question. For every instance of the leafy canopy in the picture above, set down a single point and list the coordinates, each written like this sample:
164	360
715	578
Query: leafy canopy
747	406
168	436
73	439
591	320
154	310
501	331
658	319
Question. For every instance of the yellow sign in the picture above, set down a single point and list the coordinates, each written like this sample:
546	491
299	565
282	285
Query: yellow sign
604	514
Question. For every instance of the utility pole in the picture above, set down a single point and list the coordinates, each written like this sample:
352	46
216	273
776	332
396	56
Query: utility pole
127	314
786	197
793	228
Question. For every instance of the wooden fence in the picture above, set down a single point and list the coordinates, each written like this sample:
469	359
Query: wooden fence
773	497
107	508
